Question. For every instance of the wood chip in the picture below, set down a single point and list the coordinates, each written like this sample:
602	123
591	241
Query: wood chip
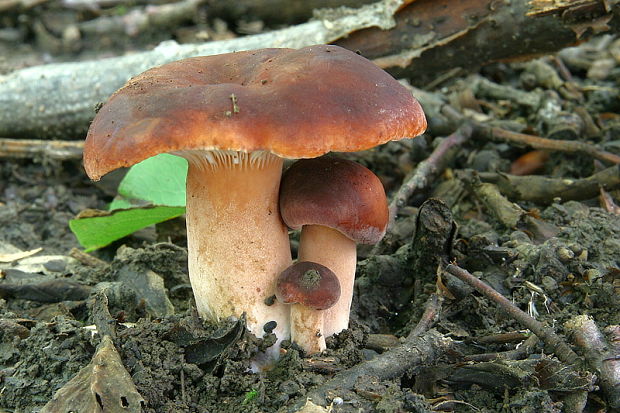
19	255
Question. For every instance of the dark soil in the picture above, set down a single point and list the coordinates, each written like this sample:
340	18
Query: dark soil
561	261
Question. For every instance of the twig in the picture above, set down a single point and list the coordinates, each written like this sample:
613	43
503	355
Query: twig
140	19
94	5
417	349
521	352
601	357
425	170
431	312
608	203
501	338
484	87
552	340
544	143
19	5
544	190
506	212
86	258
31	148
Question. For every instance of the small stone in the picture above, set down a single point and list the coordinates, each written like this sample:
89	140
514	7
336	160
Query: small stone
592	275
55	265
270	326
583	256
270	300
565	255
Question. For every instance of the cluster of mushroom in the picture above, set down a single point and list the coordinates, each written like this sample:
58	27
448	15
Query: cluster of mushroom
336	203
235	118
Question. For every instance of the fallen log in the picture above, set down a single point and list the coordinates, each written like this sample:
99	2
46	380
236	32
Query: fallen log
428	38
57	101
432	37
274	11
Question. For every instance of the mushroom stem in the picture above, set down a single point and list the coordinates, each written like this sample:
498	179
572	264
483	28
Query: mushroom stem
334	250
237	243
307	328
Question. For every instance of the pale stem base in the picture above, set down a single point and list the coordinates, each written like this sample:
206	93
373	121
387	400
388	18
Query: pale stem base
307	328
337	252
237	243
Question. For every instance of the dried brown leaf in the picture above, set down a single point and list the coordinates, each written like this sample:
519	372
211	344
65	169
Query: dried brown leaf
102	386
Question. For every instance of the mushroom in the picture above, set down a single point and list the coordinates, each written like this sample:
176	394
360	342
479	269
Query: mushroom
336	203
310	288
234	117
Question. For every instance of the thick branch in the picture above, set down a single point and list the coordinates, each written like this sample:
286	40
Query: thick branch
31	148
275	11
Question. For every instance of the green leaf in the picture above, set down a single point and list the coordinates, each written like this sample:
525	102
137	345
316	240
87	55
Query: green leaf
119	203
249	396
159	180
99	228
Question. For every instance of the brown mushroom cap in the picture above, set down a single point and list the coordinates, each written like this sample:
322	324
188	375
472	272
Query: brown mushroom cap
294	103
335	193
310	284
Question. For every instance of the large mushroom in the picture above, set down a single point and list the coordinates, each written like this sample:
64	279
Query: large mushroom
337	204
234	117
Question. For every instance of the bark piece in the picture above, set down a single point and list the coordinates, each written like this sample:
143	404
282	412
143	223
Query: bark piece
149	287
105	323
433	238
507	213
432	37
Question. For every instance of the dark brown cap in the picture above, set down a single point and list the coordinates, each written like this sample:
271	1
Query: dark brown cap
294	103
310	284
335	193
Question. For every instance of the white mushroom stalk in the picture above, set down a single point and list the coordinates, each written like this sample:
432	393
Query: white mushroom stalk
307	328
339	253
237	243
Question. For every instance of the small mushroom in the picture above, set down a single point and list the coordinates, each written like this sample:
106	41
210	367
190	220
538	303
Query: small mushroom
310	288
336	203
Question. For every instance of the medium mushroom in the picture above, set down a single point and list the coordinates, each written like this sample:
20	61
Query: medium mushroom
310	288
336	203
234	117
